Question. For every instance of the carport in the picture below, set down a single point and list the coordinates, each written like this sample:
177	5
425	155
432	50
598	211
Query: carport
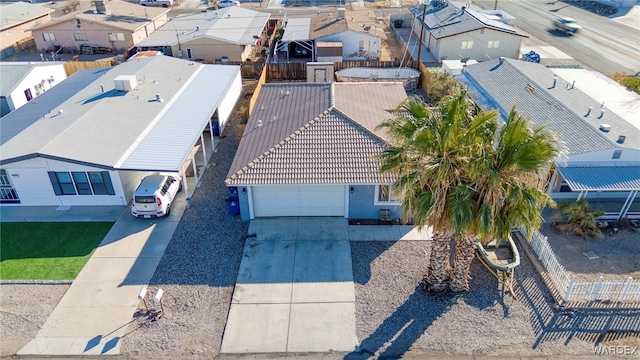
296	32
585	179
182	138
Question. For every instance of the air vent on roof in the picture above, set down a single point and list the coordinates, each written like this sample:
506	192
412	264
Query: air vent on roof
530	88
340	13
125	82
605	127
621	139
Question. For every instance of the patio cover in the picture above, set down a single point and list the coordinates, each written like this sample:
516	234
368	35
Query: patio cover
592	178
297	29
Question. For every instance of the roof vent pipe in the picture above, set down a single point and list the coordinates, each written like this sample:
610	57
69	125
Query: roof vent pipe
601	114
555	81
158	98
463	8
589	111
501	59
101	88
573	84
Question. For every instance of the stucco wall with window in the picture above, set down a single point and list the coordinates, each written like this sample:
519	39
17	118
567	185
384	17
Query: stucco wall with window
21	31
40	79
364	203
480	45
355	45
31	181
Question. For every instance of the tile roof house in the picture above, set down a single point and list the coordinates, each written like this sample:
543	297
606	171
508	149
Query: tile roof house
16	22
24	81
355	34
454	33
230	33
309	150
110	127
602	143
114	24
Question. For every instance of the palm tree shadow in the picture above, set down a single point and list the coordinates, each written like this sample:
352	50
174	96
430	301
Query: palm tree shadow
399	331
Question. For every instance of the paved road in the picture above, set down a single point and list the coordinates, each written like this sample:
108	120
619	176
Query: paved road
604	44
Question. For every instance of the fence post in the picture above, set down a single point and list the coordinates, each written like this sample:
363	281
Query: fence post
625	290
567	296
597	287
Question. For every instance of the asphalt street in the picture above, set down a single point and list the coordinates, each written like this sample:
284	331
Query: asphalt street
605	44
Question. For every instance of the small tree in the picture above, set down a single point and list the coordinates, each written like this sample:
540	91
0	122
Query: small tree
578	219
72	5
441	84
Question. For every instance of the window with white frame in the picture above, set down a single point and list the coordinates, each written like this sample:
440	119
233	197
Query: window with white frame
116	37
385	195
493	44
8	194
363	45
81	183
467	44
80	36
49	37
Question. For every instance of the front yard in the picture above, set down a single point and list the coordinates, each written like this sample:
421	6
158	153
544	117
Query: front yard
47	251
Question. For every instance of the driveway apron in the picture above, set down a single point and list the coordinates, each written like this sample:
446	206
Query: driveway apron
294	291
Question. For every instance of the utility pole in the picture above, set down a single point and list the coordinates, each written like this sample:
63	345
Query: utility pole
424	12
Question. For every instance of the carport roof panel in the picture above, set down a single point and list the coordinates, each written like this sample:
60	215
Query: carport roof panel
613	178
170	141
297	30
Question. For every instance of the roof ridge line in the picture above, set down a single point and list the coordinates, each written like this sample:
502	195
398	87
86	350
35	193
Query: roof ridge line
279	145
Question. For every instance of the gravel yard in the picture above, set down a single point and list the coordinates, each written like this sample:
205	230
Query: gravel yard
393	315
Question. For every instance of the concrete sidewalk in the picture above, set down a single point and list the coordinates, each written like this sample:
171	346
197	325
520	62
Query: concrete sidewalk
94	313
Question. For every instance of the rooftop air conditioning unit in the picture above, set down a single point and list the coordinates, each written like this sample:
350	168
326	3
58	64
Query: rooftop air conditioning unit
605	127
125	82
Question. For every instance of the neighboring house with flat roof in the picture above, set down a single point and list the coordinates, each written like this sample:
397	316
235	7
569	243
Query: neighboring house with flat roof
16	22
232	33
92	138
114	24
309	150
453	33
24	81
601	138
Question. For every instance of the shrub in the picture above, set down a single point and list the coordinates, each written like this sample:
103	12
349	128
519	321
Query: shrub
578	219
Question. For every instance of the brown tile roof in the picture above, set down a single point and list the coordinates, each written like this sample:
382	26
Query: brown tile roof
320	134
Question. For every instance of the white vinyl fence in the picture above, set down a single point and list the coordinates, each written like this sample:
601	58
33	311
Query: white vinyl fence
572	289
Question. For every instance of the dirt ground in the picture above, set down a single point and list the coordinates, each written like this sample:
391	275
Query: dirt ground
618	253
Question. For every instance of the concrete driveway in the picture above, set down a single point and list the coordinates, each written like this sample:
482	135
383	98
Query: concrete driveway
295	290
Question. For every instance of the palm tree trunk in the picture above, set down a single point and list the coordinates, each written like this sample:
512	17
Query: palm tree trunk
439	267
464	252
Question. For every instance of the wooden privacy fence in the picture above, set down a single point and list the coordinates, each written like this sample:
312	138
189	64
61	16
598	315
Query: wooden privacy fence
297	71
71	67
572	289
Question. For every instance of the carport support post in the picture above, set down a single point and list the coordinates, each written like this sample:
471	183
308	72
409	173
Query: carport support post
204	152
185	185
213	144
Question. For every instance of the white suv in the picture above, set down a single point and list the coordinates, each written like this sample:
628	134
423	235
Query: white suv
154	195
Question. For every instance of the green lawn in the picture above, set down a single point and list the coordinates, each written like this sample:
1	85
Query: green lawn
47	251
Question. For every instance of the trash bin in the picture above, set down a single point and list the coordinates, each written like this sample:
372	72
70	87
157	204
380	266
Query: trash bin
232	204
233	190
216	128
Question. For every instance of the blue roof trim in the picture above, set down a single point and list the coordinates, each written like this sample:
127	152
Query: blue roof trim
591	178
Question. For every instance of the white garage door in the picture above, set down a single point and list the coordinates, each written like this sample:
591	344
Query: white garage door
310	200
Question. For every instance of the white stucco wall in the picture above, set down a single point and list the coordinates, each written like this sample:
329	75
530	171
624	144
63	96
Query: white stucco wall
450	48
38	75
31	181
599	158
351	42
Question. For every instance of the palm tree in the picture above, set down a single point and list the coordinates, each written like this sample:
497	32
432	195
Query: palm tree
579	219
507	189
430	153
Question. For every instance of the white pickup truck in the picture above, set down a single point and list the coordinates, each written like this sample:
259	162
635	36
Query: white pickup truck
163	3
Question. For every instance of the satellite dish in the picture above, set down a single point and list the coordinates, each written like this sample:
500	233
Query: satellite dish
464	60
